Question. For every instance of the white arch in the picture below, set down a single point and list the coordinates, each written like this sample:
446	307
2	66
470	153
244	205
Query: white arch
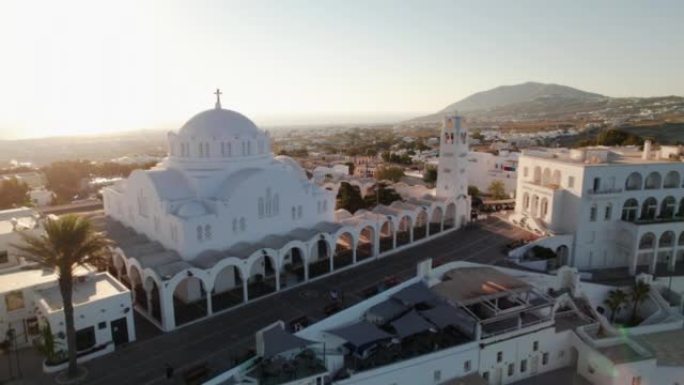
202	275
255	256
224	263
295	243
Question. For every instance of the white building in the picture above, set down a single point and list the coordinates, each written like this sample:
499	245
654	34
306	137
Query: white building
616	207
41	196
487	167
464	323
30	298
221	221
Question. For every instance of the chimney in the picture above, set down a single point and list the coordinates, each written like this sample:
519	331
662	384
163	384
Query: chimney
647	149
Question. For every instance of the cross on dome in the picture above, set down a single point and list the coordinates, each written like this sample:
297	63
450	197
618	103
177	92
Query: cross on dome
218	98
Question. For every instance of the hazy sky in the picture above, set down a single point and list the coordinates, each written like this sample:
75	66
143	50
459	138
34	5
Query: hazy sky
89	66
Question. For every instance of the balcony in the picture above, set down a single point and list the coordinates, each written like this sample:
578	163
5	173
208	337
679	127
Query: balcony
604	191
650	221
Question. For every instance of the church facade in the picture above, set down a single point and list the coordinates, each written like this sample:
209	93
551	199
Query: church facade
221	221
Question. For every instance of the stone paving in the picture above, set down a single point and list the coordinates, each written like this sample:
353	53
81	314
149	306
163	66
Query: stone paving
220	340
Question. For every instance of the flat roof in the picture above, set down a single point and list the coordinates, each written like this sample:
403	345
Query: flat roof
622	353
90	289
467	285
29	277
628	155
26	218
661	344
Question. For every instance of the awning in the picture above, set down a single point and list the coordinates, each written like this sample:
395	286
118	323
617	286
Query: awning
385	312
276	341
415	294
411	323
361	334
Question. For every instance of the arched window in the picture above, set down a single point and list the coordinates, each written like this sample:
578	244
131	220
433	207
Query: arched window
652	181
294	213
544	207
671	180
535	205
243	224
666	239
268	202
649	208
207	232
235	225
647	241
680	210
230	149
249	147
680	241
526	201
276	204
609	212
556	178
200	146
206	150
633	181
261	207
593	212
546	176
199	233
537	175
667	207
629	210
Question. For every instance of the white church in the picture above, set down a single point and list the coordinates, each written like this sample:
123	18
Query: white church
221	221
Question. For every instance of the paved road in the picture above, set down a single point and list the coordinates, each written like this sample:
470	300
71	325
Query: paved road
218	340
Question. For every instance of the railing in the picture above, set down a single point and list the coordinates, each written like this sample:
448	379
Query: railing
648	221
602	191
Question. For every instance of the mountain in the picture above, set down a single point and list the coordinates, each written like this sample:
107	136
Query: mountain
538	101
520	93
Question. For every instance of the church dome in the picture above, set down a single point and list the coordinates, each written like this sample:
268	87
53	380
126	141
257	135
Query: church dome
219	123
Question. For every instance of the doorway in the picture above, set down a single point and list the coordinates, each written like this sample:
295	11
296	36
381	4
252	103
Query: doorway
119	331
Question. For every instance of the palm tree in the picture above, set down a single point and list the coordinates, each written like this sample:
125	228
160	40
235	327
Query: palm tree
68	241
616	298
639	293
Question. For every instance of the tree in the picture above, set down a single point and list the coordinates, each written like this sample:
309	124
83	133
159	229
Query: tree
68	241
393	174
616	298
615	137
430	175
473	191
47	345
381	194
13	193
477	135
640	292
349	198
497	190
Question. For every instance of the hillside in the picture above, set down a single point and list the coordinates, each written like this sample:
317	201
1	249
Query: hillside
526	92
536	101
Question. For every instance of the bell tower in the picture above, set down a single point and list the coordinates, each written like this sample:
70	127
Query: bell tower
452	180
